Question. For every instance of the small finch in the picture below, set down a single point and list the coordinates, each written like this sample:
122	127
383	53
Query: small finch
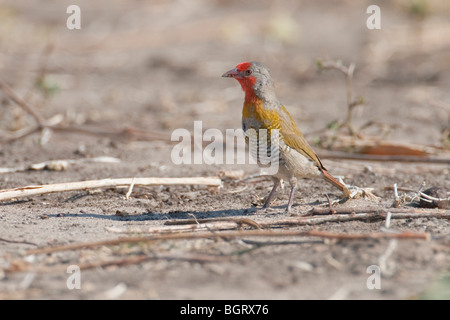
262	110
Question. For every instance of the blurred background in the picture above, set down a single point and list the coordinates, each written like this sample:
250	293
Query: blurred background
157	64
137	70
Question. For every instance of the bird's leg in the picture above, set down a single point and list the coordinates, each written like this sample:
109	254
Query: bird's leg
271	194
293	182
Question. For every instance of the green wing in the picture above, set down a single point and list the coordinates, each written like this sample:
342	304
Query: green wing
294	138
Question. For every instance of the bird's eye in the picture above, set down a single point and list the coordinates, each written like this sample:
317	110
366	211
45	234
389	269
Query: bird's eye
248	72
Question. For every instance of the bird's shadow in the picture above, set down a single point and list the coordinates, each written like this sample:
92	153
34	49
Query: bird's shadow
151	215
179	214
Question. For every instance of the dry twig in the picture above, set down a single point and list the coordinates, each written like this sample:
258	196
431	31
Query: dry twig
212	226
351	103
51	125
315	217
375	157
322	211
25	106
240	221
192	225
8	194
190	257
18	241
233	234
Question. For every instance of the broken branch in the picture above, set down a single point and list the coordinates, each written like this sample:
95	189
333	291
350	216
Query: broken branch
21	103
375	157
234	234
8	194
42	123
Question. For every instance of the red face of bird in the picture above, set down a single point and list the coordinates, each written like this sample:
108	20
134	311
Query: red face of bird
242	73
253	77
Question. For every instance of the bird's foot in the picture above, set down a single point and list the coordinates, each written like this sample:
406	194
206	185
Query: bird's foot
291	212
357	192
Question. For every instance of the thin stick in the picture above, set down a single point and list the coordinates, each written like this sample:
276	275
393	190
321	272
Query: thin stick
8	194
373	157
22	134
191	225
239	221
326	211
194	257
336	217
278	243
41	123
21	103
326	217
130	189
121	132
212	226
348	72
234	234
387	223
383	259
397	199
18	241
330	205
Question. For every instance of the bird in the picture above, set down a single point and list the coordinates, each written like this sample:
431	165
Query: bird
263	110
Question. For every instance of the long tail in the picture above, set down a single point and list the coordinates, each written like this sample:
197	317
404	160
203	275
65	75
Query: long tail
329	178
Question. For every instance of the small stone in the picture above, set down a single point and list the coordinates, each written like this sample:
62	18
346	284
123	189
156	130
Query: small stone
440	200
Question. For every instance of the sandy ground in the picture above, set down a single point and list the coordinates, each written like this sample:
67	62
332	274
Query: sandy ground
156	66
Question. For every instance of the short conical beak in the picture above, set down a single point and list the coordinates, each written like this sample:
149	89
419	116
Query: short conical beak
231	74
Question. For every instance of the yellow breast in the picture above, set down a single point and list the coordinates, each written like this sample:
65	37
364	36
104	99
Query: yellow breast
255	116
